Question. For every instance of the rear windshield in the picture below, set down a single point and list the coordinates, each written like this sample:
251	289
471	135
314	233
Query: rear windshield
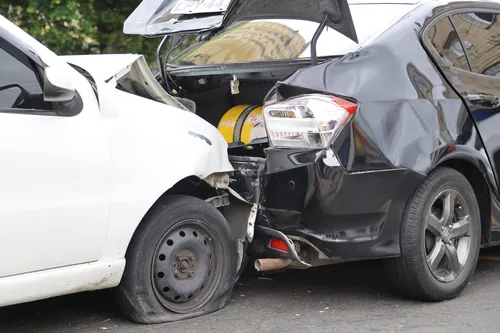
285	39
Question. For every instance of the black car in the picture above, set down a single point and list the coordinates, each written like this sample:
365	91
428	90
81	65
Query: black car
357	129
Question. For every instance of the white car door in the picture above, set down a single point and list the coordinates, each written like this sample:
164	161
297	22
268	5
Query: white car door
54	167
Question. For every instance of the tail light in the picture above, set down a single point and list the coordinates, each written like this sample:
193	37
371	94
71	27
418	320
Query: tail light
278	244
307	121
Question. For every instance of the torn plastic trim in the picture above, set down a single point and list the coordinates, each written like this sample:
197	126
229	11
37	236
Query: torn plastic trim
140	73
247	178
219	201
252	217
245	185
262	250
236	195
310	253
218	180
321	255
241	217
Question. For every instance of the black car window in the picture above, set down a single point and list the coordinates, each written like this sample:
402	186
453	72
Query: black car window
480	33
446	43
20	83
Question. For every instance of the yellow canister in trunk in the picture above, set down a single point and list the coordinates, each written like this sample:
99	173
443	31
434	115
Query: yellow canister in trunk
242	123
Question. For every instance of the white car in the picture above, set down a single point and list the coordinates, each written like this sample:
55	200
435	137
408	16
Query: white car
105	177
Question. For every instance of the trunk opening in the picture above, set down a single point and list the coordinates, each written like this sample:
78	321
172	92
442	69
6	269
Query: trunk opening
233	104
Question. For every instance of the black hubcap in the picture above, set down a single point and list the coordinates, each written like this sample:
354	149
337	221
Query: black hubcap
185	272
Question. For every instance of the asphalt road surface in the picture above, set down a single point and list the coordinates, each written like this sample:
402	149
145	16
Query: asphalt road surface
351	297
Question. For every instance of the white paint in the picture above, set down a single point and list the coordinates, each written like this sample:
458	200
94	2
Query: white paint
74	189
102	66
61	281
55	176
55	193
152	150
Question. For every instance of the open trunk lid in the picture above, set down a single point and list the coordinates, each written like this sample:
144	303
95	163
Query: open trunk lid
160	17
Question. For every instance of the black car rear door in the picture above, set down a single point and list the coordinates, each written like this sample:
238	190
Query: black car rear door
467	47
480	36
468	44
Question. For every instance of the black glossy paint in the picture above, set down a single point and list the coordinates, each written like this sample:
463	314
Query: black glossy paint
349	200
346	215
338	11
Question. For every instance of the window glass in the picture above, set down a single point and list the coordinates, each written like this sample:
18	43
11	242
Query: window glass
481	35
19	85
285	39
445	41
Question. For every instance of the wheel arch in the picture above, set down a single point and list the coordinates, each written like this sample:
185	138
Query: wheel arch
140	302
189	186
471	169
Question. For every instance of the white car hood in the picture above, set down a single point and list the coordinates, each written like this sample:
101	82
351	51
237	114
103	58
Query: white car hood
159	125
111	68
169	140
102	66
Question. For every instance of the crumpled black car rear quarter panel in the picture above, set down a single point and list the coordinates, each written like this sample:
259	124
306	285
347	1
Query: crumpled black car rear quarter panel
349	201
346	215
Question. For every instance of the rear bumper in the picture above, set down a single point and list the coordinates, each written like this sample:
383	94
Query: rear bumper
308	195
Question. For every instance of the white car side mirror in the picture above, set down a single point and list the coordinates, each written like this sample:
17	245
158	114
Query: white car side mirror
57	87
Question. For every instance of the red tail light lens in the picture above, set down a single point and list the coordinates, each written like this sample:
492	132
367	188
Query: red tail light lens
278	244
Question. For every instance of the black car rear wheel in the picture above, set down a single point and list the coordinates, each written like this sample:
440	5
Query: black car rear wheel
181	263
439	239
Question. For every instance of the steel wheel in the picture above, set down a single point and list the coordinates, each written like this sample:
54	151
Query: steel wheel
447	235
185	271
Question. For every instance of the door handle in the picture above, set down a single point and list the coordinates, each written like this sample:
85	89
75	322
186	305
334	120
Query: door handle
485	100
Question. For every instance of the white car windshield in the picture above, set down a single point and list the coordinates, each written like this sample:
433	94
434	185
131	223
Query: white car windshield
288	39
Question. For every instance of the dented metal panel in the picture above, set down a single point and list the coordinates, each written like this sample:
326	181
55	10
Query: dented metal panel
349	202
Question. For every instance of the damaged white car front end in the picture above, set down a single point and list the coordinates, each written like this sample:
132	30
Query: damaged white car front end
174	143
120	184
191	146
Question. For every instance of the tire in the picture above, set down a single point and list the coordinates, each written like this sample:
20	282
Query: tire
419	273
181	263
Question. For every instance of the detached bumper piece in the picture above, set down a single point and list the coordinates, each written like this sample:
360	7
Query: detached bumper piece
273	250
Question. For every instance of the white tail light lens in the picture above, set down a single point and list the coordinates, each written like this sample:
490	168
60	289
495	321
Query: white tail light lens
307	121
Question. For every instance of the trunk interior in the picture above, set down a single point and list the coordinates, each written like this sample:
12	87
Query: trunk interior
213	97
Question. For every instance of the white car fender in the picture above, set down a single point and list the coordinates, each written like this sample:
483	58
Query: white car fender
153	146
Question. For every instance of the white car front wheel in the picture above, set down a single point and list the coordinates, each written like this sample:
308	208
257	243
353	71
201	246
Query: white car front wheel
181	263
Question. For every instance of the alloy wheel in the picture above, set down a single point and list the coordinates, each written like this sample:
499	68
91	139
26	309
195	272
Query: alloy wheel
447	235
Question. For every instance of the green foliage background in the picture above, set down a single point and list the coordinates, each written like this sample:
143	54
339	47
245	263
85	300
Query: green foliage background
79	26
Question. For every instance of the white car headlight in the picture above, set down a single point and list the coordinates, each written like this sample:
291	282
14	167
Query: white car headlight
307	121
